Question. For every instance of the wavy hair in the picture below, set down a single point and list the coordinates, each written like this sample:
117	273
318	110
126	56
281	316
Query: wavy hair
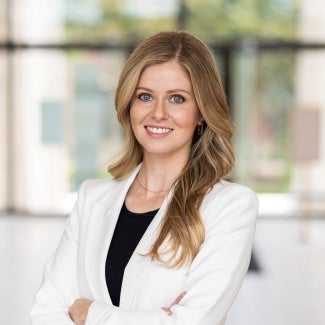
211	157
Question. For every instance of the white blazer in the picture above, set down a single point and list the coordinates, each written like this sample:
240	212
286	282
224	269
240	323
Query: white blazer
212	280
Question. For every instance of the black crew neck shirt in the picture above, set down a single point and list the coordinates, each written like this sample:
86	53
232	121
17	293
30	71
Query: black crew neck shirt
129	229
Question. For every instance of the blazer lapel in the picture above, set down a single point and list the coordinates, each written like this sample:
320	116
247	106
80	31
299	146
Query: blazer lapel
100	229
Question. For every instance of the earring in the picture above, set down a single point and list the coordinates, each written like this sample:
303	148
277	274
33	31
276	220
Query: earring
200	128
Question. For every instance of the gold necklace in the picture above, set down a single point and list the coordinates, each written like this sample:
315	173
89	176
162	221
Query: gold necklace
148	190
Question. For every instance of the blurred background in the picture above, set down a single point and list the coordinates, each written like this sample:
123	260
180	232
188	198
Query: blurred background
59	65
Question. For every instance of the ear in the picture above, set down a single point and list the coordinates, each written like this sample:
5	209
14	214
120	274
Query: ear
201	120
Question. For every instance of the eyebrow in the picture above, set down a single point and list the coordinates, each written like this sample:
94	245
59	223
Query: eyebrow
169	91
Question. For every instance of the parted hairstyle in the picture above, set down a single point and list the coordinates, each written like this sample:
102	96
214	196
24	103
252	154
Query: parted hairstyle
211	157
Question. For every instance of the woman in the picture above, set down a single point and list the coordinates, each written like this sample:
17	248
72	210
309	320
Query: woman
168	240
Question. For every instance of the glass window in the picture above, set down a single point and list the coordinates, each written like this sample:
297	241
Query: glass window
35	21
121	21
91	20
219	19
65	124
64	128
264	96
278	111
133	20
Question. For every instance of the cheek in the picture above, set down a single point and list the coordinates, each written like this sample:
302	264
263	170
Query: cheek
191	119
133	115
136	118
132	111
136	113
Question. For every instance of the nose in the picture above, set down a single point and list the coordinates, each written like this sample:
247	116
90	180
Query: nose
159	110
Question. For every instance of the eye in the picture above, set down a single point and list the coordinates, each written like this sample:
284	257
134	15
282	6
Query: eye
177	99
145	97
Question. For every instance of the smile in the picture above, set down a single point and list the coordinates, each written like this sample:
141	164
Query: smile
156	130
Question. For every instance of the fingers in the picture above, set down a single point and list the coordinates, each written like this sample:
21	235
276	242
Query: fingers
175	302
78	311
167	310
178	299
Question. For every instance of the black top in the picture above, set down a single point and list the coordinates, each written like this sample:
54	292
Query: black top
129	229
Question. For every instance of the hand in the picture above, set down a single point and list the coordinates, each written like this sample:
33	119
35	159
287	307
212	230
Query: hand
79	310
175	302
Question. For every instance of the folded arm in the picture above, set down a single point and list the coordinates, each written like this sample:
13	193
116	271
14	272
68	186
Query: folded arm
213	279
59	288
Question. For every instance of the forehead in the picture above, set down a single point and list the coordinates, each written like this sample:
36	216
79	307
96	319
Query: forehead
169	73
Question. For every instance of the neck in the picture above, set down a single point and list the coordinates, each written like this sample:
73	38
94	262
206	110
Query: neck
149	190
159	174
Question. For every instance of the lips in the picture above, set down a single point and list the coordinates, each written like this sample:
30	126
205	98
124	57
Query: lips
158	130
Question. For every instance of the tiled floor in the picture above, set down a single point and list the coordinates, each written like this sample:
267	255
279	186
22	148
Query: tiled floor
289	290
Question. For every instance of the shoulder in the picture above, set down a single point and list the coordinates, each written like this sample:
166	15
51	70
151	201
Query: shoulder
98	190
105	191
229	201
97	184
231	191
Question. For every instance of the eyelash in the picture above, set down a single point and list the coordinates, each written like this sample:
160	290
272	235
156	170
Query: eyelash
178	96
142	95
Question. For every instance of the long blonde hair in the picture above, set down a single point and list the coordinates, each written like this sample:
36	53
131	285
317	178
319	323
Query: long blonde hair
211	156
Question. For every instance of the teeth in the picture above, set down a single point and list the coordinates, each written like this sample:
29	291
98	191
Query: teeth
158	130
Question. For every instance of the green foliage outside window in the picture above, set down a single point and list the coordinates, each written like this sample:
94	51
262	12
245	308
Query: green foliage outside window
209	19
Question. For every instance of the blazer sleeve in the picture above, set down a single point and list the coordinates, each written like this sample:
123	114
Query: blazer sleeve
216	273
59	288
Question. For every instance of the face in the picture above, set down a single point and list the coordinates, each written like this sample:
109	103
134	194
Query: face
164	113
